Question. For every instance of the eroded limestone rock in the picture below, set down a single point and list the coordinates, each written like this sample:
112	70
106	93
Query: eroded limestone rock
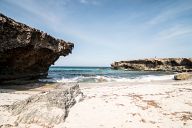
182	76
46	109
156	64
27	53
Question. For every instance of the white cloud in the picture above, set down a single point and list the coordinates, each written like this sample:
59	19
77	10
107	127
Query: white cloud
55	20
93	2
174	32
170	12
83	1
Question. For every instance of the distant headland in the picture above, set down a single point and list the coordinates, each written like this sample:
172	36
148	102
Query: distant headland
156	64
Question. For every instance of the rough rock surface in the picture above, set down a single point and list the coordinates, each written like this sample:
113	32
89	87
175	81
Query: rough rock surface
182	76
45	109
25	52
156	64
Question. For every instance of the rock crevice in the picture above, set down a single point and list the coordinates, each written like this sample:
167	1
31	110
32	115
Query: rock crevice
27	53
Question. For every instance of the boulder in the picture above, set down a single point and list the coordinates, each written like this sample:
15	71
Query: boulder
182	76
47	108
27	53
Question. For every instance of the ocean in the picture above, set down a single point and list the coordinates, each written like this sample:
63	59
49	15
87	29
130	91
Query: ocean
102	74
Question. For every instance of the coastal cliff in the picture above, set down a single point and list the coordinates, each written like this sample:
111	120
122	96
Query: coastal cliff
27	53
156	64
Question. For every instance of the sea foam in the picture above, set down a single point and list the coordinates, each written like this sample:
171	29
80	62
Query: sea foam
99	79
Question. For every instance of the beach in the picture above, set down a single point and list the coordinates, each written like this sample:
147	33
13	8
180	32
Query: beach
160	104
131	64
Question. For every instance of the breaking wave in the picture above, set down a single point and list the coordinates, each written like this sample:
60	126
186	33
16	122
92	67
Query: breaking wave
100	79
102	74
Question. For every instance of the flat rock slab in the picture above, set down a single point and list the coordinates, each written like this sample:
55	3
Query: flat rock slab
43	107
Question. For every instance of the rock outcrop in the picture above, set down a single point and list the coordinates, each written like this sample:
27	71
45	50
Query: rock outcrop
47	108
182	76
27	53
156	64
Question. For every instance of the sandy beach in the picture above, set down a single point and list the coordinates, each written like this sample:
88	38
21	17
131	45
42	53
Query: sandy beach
158	104
131	64
163	104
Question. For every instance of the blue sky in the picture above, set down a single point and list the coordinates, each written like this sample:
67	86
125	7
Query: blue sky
104	31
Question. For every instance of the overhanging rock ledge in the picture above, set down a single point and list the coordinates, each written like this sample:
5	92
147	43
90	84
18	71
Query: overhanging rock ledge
27	53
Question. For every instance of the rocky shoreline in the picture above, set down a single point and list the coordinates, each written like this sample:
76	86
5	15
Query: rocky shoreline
156	64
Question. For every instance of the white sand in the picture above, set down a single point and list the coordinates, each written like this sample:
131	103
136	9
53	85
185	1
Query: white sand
165	104
133	105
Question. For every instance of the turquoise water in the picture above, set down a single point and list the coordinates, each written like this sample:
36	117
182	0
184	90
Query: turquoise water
101	74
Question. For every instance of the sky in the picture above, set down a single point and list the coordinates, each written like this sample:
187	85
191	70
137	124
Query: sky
104	31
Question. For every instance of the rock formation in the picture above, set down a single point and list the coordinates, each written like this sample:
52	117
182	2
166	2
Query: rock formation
47	108
182	76
156	64
27	53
